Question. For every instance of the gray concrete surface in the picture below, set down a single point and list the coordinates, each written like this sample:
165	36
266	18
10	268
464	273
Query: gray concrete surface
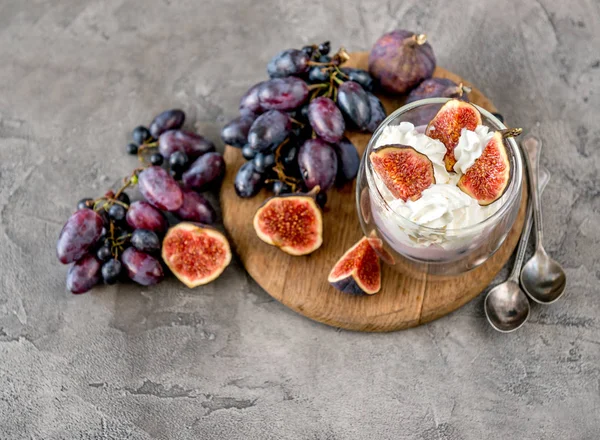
226	361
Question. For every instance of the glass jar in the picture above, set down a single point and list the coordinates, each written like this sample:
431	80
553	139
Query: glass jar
436	251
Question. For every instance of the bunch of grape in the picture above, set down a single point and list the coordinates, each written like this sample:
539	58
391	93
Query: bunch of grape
291	127
110	238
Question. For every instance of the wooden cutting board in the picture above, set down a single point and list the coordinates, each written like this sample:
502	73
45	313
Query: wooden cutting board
406	299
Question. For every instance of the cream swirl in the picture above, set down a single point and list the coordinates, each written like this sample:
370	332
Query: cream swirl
470	146
406	134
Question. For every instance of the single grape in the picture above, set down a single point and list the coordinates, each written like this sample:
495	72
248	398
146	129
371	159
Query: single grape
280	187
167	120
288	62
249	103
321	199
269	130
262	162
157	159
324	48
145	241
196	208
204	170
248	152
303	112
247	181
140	135
117	213
360	76
326	119
160	189
175	174
235	133
290	155
192	144
282	93
79	234
318	74
84	274
142	215
86	203
348	161
111	271
308	50
124	198
179	161
142	268
377	112
132	149
103	253
354	103
318	164
324	59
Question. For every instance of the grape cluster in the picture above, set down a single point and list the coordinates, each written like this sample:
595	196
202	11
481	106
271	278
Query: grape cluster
111	238
291	126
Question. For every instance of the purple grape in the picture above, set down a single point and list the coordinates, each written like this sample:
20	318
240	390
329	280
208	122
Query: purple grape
235	133
282	93
249	104
205	170
326	119
160	189
269	130
167	120
348	161
142	268
192	144
318	164
247	181
84	274
318	74
145	241
142	215
377	112
354	103
81	232
288	62
196	208
360	76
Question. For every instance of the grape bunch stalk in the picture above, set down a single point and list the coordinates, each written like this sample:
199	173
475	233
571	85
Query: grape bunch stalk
291	127
111	238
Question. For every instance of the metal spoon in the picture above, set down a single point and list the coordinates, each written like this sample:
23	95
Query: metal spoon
542	278
506	305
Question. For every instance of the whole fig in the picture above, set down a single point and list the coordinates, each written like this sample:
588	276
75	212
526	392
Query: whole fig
400	60
438	88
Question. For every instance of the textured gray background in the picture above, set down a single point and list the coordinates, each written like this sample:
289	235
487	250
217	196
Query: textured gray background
226	361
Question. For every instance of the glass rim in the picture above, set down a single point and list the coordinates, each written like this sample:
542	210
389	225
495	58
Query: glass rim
513	190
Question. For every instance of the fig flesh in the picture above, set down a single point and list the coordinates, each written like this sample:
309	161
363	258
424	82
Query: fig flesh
448	123
487	179
400	60
196	255
403	170
293	223
358	271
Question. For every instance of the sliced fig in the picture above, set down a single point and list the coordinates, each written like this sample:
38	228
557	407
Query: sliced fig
358	271
196	254
403	170
293	223
448	123
487	179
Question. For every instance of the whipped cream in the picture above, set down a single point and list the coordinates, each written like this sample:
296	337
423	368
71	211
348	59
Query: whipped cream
470	146
406	134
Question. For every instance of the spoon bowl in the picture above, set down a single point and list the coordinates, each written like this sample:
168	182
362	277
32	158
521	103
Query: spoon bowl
543	279
506	308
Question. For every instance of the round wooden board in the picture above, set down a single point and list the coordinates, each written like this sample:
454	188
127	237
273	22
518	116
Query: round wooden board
405	300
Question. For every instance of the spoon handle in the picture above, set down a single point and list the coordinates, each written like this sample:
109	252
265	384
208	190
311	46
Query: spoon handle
532	146
514	274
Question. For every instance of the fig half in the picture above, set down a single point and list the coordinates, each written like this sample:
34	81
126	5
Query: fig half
292	222
447	124
358	272
487	179
196	254
403	170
